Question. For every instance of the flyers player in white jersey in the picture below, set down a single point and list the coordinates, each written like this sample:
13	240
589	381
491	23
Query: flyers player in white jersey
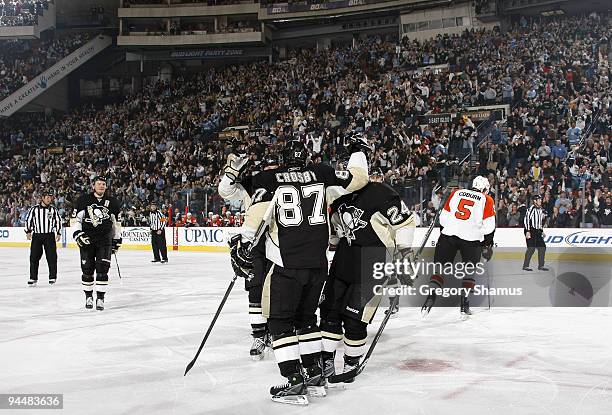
467	225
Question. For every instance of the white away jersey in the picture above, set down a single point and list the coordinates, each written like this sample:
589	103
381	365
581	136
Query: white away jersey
468	215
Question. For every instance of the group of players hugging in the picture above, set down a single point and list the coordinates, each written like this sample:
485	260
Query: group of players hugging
286	271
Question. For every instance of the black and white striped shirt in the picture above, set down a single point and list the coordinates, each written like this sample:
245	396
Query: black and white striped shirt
157	221
43	219
534	218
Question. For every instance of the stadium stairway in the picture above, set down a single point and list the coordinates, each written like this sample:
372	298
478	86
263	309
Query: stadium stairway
44	81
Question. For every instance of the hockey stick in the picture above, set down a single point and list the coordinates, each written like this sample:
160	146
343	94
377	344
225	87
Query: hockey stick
260	230
117	262
343	377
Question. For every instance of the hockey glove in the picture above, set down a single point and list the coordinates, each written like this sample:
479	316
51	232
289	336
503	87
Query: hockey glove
487	252
117	244
355	142
81	239
242	260
236	167
407	270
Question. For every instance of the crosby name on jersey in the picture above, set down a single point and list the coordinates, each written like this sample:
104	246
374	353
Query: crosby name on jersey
298	234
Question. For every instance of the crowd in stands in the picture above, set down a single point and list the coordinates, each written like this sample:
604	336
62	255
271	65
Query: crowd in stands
22	60
162	143
21	12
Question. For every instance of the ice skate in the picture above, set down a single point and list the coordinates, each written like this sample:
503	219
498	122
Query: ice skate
293	392
258	348
465	308
315	382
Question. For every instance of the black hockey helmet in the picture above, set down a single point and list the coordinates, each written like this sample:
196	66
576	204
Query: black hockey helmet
377	172
99	178
295	153
270	160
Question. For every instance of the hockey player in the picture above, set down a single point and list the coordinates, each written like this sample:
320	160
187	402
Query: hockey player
374	225
467	225
236	184
296	243
98	234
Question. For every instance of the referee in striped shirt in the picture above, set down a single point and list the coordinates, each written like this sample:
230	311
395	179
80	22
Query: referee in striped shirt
157	223
43	228
534	233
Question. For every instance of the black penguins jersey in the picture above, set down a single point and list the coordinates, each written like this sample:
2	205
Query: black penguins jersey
370	217
96	217
299	232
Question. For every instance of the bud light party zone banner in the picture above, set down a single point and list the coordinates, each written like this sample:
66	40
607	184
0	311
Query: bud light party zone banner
597	241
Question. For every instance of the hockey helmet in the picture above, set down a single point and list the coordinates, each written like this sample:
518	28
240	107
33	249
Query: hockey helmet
295	153
270	160
481	184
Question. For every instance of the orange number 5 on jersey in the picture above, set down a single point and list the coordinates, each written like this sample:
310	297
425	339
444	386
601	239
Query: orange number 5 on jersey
463	212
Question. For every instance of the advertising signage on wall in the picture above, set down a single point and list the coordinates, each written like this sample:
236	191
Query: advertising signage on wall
296	8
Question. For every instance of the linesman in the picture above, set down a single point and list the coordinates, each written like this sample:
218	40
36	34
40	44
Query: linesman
157	223
43	228
534	234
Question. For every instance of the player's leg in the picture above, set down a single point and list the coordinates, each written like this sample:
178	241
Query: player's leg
103	263
471	252
309	333
446	249
280	299
331	322
88	266
259	326
36	250
355	336
51	256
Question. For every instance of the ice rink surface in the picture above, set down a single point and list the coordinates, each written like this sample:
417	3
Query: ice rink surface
130	358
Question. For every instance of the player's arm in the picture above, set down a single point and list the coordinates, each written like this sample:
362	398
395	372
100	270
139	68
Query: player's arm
116	218
488	228
231	190
262	196
394	223
488	221
79	235
445	214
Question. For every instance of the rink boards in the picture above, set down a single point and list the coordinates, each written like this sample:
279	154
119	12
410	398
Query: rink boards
567	244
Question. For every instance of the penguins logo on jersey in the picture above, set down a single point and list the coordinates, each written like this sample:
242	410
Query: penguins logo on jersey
96	214
351	221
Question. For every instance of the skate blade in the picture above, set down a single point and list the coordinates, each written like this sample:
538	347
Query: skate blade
291	400
317	391
335	386
257	357
464	317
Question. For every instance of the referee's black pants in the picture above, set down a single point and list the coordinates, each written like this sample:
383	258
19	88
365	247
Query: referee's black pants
158	243
536	241
40	241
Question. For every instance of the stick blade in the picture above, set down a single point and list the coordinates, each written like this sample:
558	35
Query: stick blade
188	368
343	377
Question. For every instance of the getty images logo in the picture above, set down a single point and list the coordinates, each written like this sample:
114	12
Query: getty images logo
581	239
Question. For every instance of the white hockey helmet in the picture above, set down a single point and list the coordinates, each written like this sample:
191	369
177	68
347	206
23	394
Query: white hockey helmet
481	184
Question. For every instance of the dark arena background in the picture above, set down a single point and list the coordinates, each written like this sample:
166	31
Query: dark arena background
161	101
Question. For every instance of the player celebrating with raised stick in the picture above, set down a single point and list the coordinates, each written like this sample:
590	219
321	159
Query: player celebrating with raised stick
296	242
98	234
467	225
